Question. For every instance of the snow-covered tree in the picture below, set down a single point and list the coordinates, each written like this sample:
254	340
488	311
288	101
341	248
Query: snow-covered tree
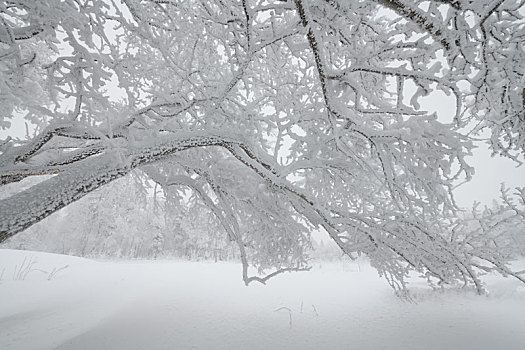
279	116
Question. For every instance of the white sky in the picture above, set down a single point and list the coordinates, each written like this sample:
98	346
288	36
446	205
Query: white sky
490	171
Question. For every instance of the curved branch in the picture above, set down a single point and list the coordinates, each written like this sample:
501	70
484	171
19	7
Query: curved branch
36	203
21	33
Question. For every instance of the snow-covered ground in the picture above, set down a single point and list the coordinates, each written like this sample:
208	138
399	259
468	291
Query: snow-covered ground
188	305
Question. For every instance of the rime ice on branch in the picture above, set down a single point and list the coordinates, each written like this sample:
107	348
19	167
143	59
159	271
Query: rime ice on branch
279	116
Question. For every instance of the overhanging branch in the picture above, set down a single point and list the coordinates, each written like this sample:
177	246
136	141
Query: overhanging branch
36	203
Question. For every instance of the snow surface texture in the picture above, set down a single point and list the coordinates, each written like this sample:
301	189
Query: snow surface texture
188	305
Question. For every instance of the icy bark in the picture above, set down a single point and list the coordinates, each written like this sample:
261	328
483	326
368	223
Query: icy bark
32	205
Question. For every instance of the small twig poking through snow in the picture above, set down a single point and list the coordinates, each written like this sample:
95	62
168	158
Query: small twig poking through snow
289	313
2	274
53	273
315	311
301	307
20	273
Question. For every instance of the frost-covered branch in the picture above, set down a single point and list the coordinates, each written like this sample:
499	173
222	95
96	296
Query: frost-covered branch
280	116
25	208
